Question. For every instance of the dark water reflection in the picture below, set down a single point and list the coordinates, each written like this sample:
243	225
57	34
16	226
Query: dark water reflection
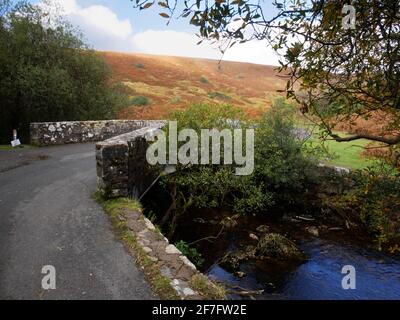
377	275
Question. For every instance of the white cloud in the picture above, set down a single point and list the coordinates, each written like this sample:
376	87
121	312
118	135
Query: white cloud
100	25
173	43
253	52
103	20
104	30
185	44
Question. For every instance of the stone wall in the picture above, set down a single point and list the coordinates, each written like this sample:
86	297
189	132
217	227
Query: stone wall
171	262
53	133
122	168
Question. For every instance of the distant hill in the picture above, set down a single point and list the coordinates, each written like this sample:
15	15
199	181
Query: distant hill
159	84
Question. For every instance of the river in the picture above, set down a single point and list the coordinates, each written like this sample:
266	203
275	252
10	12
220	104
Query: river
377	275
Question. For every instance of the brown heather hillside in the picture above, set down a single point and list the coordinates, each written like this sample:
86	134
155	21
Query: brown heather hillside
176	82
172	83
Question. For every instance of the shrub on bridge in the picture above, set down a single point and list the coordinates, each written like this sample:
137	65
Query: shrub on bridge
282	172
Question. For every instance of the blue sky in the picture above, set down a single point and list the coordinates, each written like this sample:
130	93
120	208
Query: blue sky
141	20
114	25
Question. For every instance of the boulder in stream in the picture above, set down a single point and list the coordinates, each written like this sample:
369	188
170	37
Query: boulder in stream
270	246
232	260
276	246
313	231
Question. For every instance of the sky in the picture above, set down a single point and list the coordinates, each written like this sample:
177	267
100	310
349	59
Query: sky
114	25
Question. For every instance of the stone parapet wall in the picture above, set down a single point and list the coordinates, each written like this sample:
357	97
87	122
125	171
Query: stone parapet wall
122	169
171	262
55	133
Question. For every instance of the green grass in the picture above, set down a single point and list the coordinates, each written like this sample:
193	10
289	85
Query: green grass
114	206
207	288
342	154
6	147
345	154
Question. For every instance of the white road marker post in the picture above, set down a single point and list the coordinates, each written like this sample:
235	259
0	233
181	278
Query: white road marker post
15	142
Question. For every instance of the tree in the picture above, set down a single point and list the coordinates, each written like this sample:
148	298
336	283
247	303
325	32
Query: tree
337	69
47	72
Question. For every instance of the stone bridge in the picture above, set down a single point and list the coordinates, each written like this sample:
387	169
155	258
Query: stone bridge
120	150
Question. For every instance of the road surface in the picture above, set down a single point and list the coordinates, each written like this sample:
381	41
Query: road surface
48	217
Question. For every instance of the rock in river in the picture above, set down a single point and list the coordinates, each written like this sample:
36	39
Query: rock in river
313	231
270	246
276	246
232	260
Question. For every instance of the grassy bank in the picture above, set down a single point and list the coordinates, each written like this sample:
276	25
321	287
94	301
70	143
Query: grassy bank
345	154
7	147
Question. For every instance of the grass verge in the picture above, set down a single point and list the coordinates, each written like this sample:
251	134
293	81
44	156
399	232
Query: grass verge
7	147
115	208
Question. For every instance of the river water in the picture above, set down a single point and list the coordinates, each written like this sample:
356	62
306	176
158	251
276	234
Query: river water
377	275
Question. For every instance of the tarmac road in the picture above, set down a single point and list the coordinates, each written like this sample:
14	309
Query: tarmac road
48	217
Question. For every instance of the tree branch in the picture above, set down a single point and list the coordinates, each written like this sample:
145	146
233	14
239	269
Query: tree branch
388	140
